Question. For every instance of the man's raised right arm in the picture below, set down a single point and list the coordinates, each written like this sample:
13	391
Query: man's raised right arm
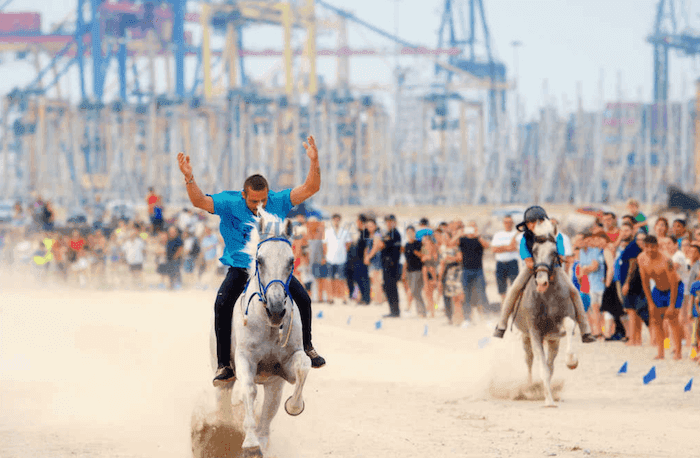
197	197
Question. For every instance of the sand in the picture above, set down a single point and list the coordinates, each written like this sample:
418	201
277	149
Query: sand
127	374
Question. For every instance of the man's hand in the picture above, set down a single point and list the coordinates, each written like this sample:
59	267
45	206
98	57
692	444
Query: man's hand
185	166
310	148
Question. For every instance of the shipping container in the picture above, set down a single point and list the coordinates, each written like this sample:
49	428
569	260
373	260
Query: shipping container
20	23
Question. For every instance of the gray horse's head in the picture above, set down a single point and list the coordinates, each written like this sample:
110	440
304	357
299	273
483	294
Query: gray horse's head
544	253
274	258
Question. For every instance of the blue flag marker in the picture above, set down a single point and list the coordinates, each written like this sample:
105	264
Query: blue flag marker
484	341
651	375
425	330
623	369
378	325
320	314
349	318
688	386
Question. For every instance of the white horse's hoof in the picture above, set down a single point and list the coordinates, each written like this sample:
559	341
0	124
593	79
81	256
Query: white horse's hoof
290	409
572	363
548	405
251	452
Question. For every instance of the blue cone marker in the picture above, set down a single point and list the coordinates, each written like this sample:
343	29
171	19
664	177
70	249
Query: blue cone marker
623	369
688	386
425	330
378	325
320	314
651	375
349	318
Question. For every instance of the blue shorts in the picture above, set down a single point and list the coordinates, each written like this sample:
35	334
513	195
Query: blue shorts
335	271
662	299
319	270
635	301
586	299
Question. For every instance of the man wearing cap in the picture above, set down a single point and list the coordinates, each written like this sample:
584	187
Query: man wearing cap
533	215
391	252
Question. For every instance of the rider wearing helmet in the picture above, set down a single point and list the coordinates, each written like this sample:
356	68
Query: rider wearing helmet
531	217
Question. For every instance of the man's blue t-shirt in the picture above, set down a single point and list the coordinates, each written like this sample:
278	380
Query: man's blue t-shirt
525	252
694	289
236	218
622	265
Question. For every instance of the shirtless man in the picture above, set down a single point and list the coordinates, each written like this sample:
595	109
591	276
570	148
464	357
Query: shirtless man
665	299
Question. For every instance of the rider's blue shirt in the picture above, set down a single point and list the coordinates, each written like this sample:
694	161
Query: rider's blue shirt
525	251
235	218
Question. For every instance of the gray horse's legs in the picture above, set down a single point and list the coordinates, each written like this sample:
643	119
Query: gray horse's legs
552	351
527	345
271	402
299	365
245	373
545	373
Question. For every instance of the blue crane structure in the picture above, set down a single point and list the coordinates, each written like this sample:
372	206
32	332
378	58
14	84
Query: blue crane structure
449	34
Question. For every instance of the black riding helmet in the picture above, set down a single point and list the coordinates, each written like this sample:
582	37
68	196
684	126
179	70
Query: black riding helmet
534	213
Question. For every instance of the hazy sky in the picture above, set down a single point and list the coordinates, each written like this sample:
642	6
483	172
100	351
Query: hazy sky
563	42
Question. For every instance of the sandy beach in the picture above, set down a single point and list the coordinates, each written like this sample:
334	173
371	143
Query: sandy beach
92	373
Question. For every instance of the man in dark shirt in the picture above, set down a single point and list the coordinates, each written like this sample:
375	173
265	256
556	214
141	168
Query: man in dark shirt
631	288
414	266
173	253
355	269
390	247
471	246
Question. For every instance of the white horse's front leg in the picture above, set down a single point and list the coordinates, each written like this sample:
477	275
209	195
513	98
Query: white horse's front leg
300	365
245	374
538	350
571	359
271	403
527	345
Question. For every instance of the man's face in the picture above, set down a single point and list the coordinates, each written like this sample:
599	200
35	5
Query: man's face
652	249
335	222
626	233
633	209
678	229
693	253
255	198
411	235
172	232
660	227
640	241
508	223
608	222
391	224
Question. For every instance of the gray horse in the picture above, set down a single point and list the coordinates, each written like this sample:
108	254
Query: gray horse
545	309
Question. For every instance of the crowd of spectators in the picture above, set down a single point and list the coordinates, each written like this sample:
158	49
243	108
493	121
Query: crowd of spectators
440	267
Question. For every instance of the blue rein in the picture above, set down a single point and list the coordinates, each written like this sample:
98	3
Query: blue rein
262	294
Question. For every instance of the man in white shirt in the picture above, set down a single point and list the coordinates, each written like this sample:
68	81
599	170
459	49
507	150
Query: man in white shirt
505	247
335	244
134	252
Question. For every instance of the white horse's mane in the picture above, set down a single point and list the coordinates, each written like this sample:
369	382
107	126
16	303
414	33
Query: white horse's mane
544	228
272	222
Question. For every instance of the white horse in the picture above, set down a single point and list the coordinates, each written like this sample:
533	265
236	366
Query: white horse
545	308
266	337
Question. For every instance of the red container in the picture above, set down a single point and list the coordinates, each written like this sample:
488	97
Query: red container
20	23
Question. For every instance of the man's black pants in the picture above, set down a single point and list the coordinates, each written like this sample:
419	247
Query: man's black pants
357	272
229	292
391	278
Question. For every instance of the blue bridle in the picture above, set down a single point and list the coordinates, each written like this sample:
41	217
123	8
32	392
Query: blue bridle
262	293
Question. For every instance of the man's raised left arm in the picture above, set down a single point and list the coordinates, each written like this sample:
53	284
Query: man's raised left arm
313	179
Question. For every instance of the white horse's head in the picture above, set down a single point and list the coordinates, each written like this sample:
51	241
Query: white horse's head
272	264
544	253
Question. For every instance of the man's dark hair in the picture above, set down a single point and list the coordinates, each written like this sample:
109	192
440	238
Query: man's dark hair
371	219
651	240
628	224
629	217
610	214
443	223
424	222
362	217
151	189
411	228
336	215
681	221
255	183
696	247
661	218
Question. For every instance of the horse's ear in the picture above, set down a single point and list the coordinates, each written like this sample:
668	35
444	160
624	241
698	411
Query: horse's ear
288	229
